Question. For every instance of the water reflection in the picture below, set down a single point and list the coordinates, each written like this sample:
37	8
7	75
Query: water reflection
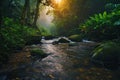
64	62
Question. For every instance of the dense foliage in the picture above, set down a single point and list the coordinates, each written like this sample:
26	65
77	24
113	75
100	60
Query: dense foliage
70	13
102	26
13	36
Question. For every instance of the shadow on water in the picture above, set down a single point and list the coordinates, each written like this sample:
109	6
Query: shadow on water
64	62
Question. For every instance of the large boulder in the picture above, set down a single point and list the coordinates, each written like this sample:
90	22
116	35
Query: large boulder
61	40
108	54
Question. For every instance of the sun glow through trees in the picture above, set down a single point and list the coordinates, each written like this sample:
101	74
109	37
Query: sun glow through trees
58	1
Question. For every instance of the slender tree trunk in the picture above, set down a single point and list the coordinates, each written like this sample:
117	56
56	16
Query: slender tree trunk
36	13
25	18
28	12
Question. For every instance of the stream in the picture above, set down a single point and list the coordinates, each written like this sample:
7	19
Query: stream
64	62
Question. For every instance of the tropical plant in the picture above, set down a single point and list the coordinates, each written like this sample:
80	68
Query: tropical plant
102	26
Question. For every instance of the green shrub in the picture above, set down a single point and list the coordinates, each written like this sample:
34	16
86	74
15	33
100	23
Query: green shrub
102	26
13	36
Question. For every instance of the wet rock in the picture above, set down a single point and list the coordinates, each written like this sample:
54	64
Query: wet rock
61	40
37	54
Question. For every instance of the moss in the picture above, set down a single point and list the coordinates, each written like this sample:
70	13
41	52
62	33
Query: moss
38	53
75	37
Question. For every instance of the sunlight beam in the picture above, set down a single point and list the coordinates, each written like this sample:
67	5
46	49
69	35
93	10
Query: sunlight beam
58	1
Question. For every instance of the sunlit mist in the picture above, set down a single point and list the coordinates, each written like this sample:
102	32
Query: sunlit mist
45	19
58	1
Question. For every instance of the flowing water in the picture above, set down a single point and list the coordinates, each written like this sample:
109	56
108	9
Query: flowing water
64	62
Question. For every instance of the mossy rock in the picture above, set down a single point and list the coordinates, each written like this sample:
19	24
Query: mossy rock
107	53
76	38
38	53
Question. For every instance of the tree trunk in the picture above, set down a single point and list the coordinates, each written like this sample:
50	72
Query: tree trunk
25	18
28	12
36	13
